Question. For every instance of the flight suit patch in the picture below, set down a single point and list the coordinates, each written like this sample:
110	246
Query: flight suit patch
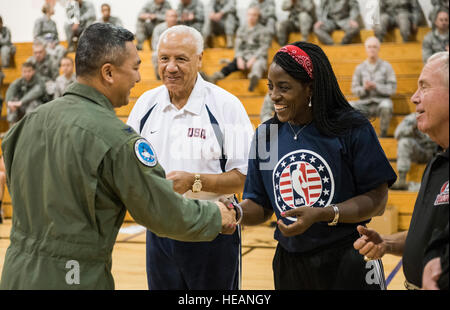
145	153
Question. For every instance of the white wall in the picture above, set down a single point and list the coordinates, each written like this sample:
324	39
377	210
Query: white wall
19	15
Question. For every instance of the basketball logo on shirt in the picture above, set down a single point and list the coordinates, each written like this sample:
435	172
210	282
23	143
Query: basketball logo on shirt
302	179
442	197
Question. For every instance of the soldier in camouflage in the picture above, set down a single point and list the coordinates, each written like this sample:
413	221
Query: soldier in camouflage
268	16
7	49
437	39
152	14
301	18
252	43
80	14
404	14
438	5
221	18
191	13
339	14
108	18
374	82
24	94
412	146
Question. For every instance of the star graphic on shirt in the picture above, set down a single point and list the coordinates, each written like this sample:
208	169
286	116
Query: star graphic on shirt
326	180
321	168
277	174
292	158
279	198
283	164
302	157
277	187
321	202
326	192
312	159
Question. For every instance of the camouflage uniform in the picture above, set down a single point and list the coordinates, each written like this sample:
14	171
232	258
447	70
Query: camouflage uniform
7	49
432	43
196	7
83	15
438	5
413	146
31	94
402	13
301	17
376	102
337	15
267	16
267	109
62	83
45	30
227	25
48	71
250	42
144	28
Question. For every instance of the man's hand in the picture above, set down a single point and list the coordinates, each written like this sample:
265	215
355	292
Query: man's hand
250	63
75	27
306	216
353	24
182	181
370	244
431	274
369	85
228	217
318	24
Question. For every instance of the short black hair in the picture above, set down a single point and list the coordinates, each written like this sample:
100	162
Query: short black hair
29	64
99	44
332	114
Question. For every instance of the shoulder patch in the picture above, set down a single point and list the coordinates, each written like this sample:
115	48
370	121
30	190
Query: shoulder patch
145	153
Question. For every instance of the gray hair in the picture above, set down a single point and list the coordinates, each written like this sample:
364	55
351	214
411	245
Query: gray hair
443	58
182	29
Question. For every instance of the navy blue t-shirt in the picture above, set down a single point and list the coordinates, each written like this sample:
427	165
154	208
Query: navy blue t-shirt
316	171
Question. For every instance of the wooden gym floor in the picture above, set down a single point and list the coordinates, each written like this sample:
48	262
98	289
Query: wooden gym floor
257	253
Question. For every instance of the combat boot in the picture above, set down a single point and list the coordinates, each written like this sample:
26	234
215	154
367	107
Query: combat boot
400	184
216	77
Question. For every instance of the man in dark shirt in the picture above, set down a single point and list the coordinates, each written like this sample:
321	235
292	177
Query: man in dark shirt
431	208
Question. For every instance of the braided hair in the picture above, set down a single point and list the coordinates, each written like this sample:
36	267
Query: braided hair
332	114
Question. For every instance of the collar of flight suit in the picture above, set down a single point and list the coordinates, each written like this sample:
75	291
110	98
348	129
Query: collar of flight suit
89	93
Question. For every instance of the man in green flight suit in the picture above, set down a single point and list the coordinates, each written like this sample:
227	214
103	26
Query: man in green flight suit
73	169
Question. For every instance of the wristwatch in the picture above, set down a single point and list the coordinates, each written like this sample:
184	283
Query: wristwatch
197	186
336	216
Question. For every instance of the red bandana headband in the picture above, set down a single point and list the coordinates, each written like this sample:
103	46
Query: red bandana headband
300	57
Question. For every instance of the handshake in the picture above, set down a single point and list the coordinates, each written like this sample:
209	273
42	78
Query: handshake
228	211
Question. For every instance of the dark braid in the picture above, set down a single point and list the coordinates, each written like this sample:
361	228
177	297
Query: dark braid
332	114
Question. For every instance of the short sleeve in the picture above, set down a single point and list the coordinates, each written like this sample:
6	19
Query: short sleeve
370	166
254	185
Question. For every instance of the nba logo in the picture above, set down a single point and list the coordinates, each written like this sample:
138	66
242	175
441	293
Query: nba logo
302	179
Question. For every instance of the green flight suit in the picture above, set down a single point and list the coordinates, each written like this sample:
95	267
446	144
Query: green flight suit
72	171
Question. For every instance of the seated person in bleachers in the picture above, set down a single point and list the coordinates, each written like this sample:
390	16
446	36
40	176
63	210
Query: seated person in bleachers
24	94
7	49
45	66
268	17
374	82
252	43
437	39
406	15
267	109
80	14
412	146
171	20
438	5
2	185
2	76
221	19
152	14
46	31
301	19
66	78
339	14
107	18
191	13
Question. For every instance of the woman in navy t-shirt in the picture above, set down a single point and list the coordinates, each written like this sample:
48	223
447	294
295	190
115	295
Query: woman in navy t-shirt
319	165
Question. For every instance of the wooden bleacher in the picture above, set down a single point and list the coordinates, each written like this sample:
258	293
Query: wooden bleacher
405	58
